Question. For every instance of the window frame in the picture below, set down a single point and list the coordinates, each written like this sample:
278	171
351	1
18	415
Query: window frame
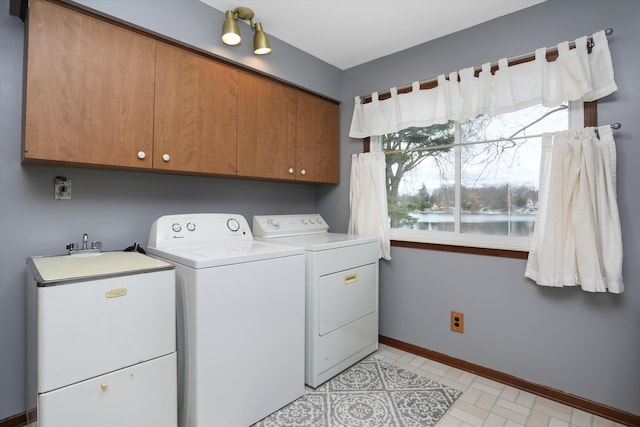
580	114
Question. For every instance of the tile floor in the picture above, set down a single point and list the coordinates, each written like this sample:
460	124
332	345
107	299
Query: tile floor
487	403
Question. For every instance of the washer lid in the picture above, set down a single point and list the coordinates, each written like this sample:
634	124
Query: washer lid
324	241
216	255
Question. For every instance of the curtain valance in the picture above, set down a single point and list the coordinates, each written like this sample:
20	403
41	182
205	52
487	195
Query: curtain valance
575	74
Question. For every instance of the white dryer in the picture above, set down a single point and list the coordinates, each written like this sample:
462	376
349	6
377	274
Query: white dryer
341	288
240	319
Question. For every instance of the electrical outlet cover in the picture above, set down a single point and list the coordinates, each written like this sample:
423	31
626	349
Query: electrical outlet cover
457	321
62	188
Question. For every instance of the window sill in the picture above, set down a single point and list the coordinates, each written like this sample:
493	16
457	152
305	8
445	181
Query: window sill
500	246
503	253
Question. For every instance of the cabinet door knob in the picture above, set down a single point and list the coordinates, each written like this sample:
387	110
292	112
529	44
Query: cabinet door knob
104	386
303	172
166	157
290	171
141	155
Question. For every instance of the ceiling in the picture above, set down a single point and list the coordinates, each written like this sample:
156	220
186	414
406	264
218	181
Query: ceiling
346	33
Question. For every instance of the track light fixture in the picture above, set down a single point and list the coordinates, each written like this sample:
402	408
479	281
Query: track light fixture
231	31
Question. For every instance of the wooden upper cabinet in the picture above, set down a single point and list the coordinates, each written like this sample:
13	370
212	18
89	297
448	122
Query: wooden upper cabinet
317	137
266	128
285	133
196	112
98	94
89	90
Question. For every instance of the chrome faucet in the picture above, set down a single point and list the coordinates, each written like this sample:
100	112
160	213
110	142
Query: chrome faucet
73	247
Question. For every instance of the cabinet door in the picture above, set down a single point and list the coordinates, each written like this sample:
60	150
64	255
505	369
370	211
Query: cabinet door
89	90
317	138
113	332
141	395
196	113
266	128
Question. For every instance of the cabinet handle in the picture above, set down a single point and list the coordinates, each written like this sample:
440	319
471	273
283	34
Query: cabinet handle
166	157
303	172
290	171
104	386
141	155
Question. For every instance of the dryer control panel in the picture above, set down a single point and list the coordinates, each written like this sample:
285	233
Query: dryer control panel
202	228
268	226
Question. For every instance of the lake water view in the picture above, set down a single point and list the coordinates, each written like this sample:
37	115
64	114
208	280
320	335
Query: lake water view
500	224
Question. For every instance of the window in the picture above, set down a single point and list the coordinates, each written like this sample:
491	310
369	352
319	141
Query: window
473	183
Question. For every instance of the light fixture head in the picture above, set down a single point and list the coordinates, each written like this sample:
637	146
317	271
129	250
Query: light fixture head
230	30
261	45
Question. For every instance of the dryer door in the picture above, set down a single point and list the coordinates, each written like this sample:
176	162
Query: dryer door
346	296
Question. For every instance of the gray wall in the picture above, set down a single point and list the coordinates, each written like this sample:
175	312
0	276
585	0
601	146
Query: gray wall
580	343
118	207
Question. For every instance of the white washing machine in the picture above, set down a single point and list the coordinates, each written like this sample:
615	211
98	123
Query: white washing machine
240	318
341	288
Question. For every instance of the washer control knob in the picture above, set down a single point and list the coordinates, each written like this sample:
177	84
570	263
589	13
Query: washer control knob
142	155
166	157
176	227
273	223
191	226
233	224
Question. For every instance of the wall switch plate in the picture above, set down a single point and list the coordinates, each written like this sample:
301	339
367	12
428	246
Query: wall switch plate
62	188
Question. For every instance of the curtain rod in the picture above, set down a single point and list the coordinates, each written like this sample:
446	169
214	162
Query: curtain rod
511	59
487	141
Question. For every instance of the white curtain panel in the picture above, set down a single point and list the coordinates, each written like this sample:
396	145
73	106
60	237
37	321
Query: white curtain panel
575	74
368	199
577	239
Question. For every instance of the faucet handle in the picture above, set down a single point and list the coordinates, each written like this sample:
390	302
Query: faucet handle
71	247
96	245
